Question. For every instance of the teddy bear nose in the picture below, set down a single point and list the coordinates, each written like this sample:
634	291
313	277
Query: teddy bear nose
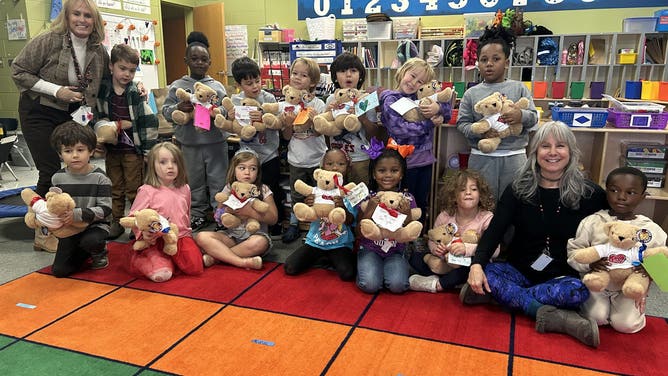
391	202
621	238
327	182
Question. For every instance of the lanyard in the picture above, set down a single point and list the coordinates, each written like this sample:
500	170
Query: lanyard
542	216
84	79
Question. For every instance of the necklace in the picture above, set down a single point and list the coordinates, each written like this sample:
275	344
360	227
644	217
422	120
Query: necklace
545	222
550	179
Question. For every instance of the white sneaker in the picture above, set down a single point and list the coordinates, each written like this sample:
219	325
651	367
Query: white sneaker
421	283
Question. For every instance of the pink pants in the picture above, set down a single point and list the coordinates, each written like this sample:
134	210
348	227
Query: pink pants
152	260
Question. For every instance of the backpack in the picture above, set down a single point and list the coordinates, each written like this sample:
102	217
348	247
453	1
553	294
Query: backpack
548	51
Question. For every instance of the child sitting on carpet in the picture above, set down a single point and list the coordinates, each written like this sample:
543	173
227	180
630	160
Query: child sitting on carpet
324	239
382	263
237	246
165	190
625	189
467	204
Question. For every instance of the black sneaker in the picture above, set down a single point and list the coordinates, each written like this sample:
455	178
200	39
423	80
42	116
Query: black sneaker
99	262
197	222
276	232
291	234
115	230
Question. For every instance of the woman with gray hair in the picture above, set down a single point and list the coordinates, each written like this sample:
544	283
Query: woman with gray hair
544	205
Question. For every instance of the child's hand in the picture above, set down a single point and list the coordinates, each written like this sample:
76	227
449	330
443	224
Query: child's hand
67	217
311	113
512	116
439	250
437	120
338	202
100	149
230	114
457	249
600	265
288	118
309	199
430	110
255	116
185	106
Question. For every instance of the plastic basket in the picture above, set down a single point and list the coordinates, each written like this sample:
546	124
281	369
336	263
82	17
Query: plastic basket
581	117
638	120
321	28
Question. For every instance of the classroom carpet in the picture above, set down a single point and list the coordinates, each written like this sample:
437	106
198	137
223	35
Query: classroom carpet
231	321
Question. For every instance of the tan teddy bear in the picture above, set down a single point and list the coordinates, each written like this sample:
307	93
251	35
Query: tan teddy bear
490	128
151	220
328	185
46	212
203	95
443	234
245	129
622	252
107	133
391	202
427	94
241	194
293	103
332	123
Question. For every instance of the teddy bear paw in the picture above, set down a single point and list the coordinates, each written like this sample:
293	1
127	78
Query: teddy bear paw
352	124
337	216
230	220
252	226
370	230
160	275
180	117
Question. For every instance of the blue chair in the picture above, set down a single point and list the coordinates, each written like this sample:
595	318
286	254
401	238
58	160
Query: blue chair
11	125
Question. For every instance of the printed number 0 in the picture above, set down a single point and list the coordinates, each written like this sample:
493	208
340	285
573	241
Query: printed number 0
321	7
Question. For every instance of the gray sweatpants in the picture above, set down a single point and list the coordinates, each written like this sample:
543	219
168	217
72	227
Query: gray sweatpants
207	169
499	172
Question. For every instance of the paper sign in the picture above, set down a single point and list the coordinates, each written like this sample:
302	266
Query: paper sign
367	103
657	266
202	119
234	203
83	115
459	260
242	114
25	305
357	194
302	117
385	220
403	105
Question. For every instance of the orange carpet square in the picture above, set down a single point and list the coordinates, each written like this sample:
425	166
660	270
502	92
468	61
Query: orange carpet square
128	325
369	352
246	341
316	294
441	317
530	367
51	297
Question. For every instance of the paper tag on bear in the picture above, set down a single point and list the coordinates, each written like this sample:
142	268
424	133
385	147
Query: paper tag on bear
201	117
342	109
234	203
357	194
387	244
83	115
367	103
403	105
496	124
302	117
387	220
242	114
459	260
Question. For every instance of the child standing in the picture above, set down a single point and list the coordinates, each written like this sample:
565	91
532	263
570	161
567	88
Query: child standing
347	71
205	152
120	101
625	189
306	147
414	73
247	76
91	190
467	196
382	263
236	246
166	191
499	167
324	239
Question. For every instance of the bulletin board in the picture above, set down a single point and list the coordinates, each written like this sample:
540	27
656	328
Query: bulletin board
140	35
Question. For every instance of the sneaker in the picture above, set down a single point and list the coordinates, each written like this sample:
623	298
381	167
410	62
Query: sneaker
208	260
291	234
99	262
276	232
469	297
197	222
420	245
421	283
220	227
115	230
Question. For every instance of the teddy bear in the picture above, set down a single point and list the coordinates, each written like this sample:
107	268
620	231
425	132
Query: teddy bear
427	94
332	123
241	193
328	184
446	234
622	250
46	212
490	128
107	133
151	220
294	102
203	96
390	202
244	128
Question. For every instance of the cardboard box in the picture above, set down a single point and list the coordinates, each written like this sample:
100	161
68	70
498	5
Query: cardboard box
287	35
269	35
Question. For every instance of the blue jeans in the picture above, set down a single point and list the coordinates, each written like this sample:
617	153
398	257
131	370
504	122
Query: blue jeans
374	272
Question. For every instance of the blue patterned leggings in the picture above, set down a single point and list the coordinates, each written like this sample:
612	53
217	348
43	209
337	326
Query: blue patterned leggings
511	289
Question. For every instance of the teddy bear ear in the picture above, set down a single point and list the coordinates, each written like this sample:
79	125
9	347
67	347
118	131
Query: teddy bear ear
607	226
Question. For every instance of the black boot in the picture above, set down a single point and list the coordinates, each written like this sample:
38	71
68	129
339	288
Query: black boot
553	319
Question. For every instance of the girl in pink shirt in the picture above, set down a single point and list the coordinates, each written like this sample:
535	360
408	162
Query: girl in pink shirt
468	197
166	190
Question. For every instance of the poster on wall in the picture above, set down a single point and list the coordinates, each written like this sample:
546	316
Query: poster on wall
418	8
16	29
236	40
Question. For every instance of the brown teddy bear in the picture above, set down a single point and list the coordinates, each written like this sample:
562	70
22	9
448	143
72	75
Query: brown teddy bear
241	194
107	133
151	220
328	184
294	102
490	128
622	252
391	202
245	129
46	212
446	234
332	123
203	96
427	94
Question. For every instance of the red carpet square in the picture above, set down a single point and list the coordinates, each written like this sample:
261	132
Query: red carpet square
128	325
219	283
441	317
618	352
369	352
250	342
317	294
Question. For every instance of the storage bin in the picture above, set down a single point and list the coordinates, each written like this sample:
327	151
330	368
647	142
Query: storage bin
639	120
287	35
648	166
645	150
269	35
627	58
539	89
453	116
639	24
650	90
379	30
460	88
656	181
528	84
662	20
577	89
596	89
633	89
663	91
587	117
558	89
